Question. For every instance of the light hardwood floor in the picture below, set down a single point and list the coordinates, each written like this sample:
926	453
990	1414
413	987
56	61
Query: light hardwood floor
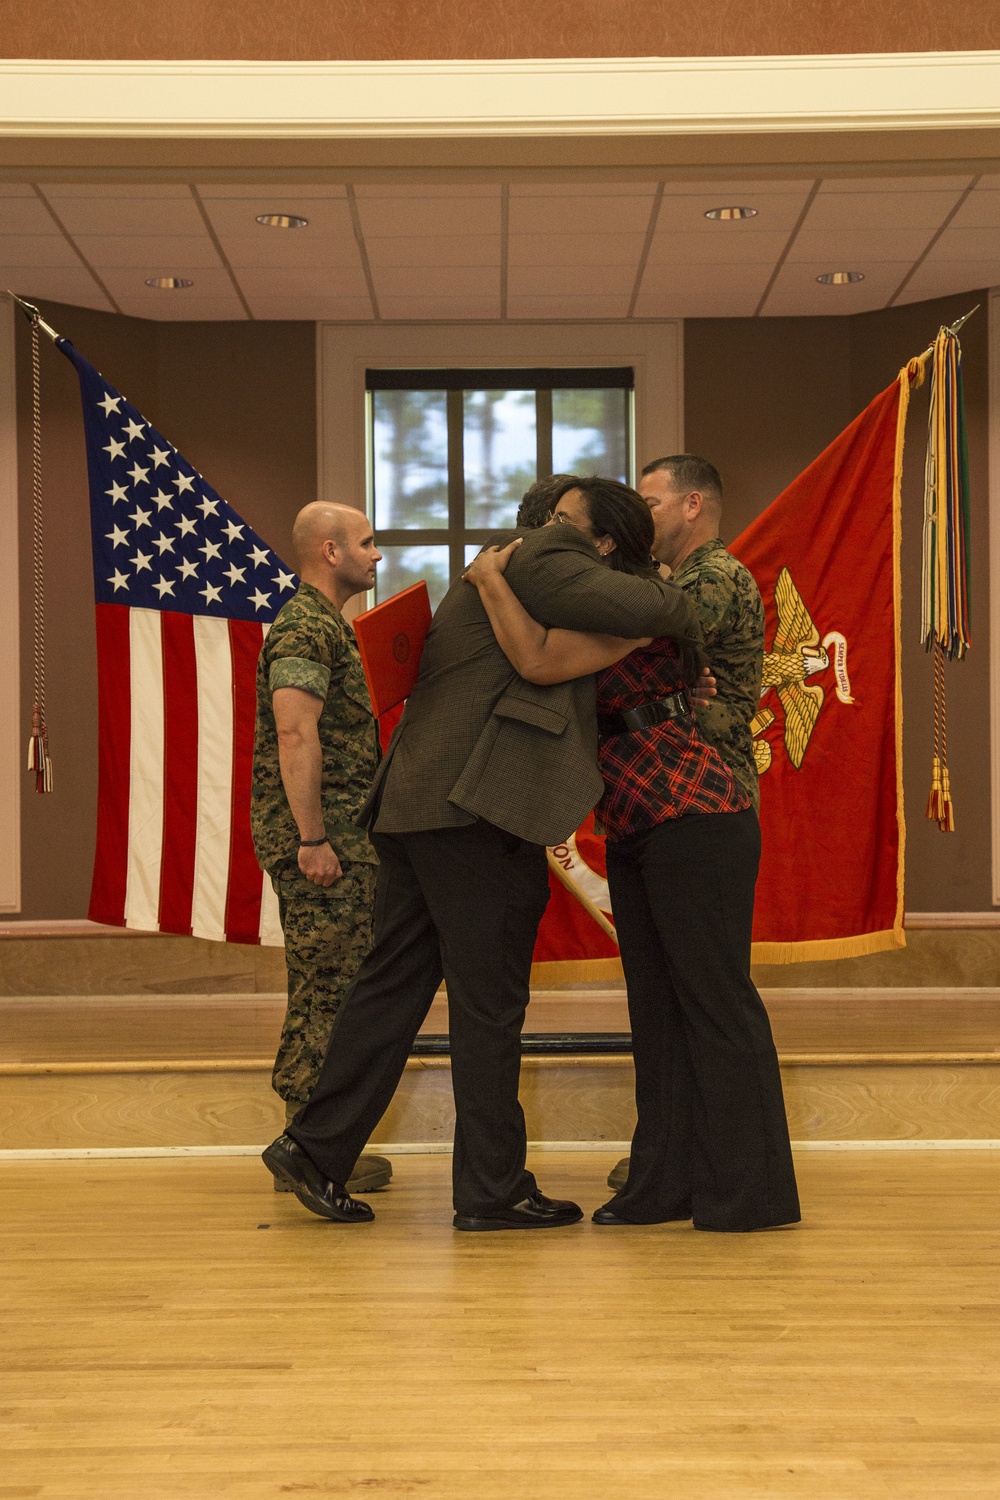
176	1331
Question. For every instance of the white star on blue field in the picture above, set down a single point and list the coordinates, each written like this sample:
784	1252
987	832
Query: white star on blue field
162	537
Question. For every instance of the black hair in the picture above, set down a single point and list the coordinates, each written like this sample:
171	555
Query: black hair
617	511
537	502
689	472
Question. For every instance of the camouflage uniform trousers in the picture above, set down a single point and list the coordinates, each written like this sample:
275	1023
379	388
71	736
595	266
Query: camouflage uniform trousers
327	934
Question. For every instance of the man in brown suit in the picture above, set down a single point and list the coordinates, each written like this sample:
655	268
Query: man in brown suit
484	770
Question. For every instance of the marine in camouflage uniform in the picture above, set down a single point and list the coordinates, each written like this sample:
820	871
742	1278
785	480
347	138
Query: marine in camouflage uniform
328	931
731	613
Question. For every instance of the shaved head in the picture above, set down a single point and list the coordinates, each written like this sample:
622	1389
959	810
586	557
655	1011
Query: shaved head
322	522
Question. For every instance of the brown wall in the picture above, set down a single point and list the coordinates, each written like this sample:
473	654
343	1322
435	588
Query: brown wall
239	400
343	29
762	399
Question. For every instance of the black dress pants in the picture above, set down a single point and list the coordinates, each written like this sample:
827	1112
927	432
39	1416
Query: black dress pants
711	1141
463	904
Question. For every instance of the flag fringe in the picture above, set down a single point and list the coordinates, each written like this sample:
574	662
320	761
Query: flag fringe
814	951
576	971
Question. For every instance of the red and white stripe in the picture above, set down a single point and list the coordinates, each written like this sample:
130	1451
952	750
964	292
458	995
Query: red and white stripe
176	702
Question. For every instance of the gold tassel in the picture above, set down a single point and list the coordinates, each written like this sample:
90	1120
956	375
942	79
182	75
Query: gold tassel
946	817
39	759
934	796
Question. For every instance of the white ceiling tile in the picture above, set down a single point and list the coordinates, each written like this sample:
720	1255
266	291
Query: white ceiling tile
148	216
312	309
853	249
425	190
543	216
292	251
553	281
989	182
731	190
582	190
26	216
299	282
706	278
796	291
394	217
954	184
435	250
709	249
432	281
283	192
961	244
870	210
981	210
420	308
185	310
725	303
208	282
71	284
943	278
575	249
120	190
16	190
136	251
567	307
36	250
776	212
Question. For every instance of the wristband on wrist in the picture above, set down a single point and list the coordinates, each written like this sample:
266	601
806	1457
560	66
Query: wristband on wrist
313	843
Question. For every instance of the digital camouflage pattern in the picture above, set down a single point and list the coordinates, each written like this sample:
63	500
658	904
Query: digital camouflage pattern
327	934
311	646
327	931
728	604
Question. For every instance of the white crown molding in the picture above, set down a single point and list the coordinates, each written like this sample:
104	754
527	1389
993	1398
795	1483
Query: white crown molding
535	97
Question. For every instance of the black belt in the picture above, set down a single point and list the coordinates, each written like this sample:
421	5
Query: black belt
676	706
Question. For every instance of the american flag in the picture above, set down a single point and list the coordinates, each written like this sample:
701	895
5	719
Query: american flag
185	591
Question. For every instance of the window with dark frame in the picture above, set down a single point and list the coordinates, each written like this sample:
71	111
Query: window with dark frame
451	452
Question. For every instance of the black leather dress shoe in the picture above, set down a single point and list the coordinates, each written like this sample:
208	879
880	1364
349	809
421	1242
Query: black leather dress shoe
535	1212
288	1163
607	1216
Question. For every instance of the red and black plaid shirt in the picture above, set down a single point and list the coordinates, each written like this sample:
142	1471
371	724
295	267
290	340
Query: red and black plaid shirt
667	771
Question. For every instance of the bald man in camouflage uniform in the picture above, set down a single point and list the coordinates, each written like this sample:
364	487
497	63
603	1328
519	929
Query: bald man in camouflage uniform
315	754
684	494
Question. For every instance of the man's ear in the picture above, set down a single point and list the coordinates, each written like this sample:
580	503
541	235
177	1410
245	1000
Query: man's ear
696	504
329	551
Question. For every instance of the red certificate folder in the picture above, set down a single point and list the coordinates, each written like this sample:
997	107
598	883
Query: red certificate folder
390	641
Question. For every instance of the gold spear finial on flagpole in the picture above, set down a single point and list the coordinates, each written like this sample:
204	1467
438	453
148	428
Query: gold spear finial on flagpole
33	316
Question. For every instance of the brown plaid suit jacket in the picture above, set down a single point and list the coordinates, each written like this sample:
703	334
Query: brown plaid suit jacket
476	740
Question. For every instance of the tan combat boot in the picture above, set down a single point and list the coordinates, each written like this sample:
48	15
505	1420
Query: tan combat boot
618	1176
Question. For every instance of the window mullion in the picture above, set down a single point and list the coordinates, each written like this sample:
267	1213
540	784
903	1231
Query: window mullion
543	433
456	484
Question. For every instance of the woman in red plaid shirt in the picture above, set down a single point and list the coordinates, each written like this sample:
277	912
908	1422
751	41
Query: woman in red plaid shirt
683	845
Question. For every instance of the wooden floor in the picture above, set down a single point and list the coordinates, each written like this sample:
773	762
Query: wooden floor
175	1329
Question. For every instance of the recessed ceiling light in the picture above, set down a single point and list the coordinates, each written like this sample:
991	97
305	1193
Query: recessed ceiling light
282	221
731	213
169	283
840	278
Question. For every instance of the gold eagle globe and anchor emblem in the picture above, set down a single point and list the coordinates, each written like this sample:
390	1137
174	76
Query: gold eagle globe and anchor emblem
796	654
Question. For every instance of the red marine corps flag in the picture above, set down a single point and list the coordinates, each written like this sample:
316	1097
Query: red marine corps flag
827	733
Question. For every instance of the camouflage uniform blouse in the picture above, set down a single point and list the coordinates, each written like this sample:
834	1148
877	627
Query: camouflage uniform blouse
727	602
311	646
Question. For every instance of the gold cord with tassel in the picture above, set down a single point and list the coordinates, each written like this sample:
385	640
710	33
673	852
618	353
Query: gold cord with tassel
39	759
